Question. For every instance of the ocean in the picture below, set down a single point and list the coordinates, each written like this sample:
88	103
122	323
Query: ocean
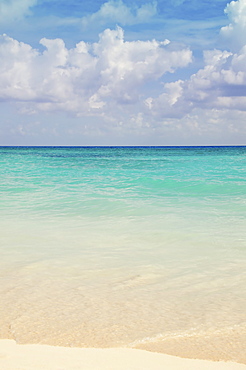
141	247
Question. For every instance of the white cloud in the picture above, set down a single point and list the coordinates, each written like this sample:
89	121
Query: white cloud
11	10
223	76
221	84
16	69
235	32
111	78
86	79
116	12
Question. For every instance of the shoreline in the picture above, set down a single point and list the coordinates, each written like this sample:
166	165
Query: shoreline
15	356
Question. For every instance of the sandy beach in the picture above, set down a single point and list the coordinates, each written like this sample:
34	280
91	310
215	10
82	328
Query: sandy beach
36	357
122	258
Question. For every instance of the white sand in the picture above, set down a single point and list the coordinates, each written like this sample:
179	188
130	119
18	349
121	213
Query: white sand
36	357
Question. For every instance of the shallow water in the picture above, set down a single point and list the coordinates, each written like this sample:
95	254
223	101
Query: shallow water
138	247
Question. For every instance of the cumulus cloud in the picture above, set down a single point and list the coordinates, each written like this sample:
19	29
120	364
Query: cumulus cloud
221	84
87	78
11	10
115	11
235	32
110	78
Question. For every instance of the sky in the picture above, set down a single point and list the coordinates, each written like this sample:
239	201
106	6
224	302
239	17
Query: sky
121	72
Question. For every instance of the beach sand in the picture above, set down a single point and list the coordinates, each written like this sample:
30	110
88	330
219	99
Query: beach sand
36	357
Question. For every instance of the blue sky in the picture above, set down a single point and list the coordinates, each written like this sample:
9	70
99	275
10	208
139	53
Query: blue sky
120	72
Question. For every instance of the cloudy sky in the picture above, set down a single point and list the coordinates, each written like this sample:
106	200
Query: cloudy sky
121	72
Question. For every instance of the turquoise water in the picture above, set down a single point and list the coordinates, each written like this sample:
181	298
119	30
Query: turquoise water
142	247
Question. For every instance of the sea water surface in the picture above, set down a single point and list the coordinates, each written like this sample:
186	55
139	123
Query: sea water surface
141	247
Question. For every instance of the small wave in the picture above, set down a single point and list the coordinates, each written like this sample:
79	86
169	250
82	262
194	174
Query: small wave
137	280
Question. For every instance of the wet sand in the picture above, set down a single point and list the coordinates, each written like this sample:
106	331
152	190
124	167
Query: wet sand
36	357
